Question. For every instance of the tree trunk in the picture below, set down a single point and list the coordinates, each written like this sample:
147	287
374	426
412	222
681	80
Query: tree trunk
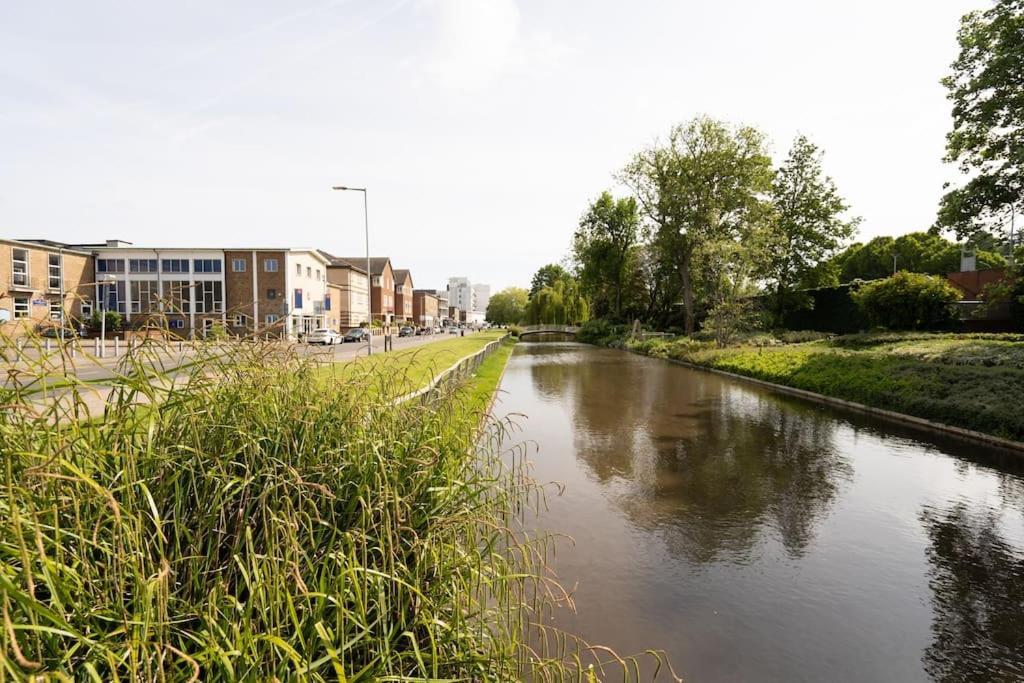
684	275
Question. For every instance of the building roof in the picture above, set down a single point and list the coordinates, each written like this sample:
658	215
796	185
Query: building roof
49	245
402	273
377	263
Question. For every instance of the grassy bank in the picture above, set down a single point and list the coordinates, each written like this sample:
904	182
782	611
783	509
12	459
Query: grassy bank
261	524
970	381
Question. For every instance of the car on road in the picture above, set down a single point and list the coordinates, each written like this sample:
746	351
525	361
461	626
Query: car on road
323	335
406	331
357	335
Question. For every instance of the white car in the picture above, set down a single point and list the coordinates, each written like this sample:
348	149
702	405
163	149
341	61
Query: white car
323	336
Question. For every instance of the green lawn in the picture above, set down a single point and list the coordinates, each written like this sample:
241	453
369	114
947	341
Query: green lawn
400	372
970	381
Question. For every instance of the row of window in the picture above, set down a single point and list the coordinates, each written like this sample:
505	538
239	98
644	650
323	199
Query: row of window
20	269
149	265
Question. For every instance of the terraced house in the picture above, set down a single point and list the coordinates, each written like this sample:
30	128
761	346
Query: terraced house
348	283
43	283
382	281
403	295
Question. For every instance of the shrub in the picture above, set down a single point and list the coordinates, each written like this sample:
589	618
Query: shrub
113	322
909	301
515	330
594	330
800	336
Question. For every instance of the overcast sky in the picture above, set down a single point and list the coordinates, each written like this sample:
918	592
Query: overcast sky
481	127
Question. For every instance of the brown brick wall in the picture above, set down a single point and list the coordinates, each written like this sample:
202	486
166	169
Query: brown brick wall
77	275
238	294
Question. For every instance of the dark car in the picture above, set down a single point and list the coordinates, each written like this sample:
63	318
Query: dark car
406	331
356	335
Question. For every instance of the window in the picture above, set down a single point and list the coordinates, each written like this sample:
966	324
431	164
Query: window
145	296
309	272
142	265
271	318
270	265
176	324
21	307
206	265
327	302
298	269
19	270
112	296
298	298
271	293
56	310
238	265
241	320
109	265
376	280
209	297
175	265
177	296
398	289
85	309
53	281
318	275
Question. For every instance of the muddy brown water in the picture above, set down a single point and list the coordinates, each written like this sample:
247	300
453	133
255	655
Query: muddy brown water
754	536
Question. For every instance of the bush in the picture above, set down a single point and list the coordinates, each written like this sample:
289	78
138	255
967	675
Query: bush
600	332
113	322
515	330
800	336
909	301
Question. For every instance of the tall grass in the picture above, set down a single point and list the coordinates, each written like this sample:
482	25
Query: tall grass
246	522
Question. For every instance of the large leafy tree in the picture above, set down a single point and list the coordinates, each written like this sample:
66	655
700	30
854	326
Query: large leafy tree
700	186
547	276
601	248
508	306
807	226
986	87
917	252
561	304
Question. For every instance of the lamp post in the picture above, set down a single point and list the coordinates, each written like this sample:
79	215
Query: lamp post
369	275
106	280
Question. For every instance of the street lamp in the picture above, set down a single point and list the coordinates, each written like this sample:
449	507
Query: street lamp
106	280
369	275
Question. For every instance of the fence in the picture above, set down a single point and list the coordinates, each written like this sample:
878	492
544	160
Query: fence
462	369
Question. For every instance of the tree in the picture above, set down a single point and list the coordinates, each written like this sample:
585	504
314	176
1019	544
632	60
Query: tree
987	91
508	306
909	301
918	252
547	276
601	247
560	304
701	186
807	227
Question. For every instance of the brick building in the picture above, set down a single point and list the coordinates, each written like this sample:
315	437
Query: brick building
403	295
43	283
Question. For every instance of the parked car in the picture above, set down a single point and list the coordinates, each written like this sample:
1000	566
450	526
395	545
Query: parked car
406	331
357	335
323	335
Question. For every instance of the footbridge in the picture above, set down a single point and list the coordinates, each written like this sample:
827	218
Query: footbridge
549	329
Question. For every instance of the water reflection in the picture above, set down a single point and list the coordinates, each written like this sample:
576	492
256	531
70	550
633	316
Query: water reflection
977	582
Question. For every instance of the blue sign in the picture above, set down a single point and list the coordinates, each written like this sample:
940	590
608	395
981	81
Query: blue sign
40	302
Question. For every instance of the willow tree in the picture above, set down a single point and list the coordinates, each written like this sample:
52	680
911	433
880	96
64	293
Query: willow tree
560	304
601	248
700	186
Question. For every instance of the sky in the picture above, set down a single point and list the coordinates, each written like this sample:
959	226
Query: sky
482	128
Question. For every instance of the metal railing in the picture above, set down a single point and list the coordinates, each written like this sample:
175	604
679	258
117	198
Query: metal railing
458	372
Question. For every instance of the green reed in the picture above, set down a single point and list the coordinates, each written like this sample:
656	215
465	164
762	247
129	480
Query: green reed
237	519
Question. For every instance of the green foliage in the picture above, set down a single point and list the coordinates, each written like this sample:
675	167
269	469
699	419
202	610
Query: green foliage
705	184
547	276
918	252
515	330
800	336
508	306
598	332
727	320
807	226
560	304
987	92
602	247
969	381
909	301
114	321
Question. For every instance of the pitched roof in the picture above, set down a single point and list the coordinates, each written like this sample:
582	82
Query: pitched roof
401	274
357	264
377	263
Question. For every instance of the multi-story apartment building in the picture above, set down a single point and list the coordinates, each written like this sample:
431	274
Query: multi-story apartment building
403	295
460	294
43	283
349	283
424	308
382	290
276	291
481	297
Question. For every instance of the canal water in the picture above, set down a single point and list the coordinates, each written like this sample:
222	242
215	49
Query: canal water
758	537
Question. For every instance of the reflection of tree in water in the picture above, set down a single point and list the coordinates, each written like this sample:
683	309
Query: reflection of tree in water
977	582
709	463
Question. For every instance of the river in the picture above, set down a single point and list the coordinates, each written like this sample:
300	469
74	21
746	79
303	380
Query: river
754	536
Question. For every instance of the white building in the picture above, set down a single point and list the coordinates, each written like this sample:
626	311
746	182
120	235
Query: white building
482	297
461	294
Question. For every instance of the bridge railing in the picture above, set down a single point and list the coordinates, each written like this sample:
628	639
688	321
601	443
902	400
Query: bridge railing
563	329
